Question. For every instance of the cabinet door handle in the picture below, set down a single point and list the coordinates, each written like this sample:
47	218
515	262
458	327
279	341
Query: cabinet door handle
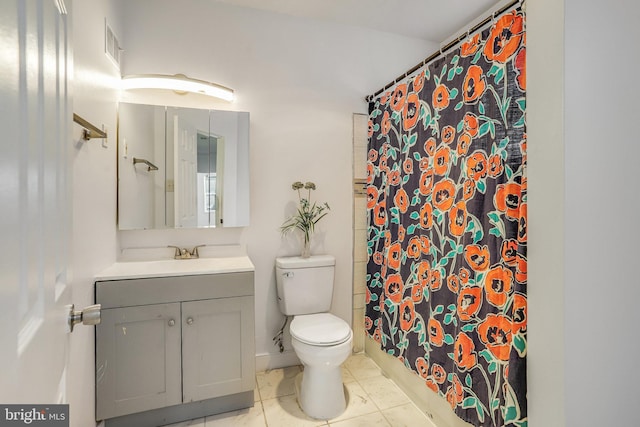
189	320
172	322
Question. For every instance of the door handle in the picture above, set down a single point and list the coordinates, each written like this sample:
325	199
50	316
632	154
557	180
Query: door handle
89	316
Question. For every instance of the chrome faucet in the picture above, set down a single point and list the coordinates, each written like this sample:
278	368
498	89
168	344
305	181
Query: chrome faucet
183	253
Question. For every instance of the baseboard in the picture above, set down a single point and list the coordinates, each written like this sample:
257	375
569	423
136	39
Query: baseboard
266	361
185	411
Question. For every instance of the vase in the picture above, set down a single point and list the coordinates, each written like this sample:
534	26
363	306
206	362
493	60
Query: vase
306	248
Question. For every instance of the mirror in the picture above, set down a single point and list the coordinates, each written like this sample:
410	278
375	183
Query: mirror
182	167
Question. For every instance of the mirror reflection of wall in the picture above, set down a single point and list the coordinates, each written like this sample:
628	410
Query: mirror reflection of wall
141	192
203	160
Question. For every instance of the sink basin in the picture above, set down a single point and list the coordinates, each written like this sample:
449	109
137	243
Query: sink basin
173	267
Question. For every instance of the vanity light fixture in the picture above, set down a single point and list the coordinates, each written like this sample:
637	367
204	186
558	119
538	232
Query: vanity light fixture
178	83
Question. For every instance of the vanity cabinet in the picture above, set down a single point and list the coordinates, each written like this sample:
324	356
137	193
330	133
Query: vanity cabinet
213	343
174	348
138	355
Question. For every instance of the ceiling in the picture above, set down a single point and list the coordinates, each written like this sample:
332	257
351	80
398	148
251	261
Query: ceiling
433	20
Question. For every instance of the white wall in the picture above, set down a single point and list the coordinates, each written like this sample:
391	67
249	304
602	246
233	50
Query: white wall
301	80
137	204
602	202
94	234
583	281
546	245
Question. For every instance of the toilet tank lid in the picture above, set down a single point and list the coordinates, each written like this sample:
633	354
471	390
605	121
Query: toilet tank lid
312	261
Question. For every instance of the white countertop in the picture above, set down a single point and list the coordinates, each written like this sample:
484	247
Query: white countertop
174	267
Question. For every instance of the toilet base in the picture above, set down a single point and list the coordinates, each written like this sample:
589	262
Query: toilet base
324	405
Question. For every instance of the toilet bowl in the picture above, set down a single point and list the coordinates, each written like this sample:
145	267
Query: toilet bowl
322	342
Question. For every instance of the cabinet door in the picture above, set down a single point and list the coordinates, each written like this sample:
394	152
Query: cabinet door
137	359
218	350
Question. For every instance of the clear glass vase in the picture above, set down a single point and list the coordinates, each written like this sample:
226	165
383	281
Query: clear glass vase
306	247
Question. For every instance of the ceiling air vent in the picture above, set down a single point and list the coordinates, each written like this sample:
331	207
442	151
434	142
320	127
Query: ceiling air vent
111	45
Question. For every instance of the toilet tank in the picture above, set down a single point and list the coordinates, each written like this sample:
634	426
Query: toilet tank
305	285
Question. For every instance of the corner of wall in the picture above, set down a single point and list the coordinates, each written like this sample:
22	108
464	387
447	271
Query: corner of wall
545	170
267	361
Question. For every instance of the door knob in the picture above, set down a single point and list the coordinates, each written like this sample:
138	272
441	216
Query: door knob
190	321
89	316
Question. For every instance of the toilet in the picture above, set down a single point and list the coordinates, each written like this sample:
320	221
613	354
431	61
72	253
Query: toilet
321	340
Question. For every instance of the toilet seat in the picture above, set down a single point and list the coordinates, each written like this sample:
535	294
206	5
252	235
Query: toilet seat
320	329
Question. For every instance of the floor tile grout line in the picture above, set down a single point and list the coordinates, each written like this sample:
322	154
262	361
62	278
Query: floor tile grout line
409	401
264	414
357	381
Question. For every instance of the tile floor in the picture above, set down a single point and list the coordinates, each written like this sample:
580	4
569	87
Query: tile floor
374	401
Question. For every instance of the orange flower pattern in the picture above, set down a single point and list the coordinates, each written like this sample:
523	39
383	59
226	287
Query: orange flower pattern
447	237
505	38
474	84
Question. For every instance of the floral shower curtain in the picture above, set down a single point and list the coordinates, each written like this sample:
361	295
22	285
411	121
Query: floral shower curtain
447	236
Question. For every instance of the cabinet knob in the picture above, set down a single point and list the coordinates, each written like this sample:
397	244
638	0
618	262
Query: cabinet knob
190	321
172	322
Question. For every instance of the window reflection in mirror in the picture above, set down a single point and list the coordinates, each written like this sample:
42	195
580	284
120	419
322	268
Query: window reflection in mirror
203	167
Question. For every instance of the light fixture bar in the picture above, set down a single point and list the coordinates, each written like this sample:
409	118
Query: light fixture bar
178	83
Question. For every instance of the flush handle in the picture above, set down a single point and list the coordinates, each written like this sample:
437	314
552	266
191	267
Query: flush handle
288	274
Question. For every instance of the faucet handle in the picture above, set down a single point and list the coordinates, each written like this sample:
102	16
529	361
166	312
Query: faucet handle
178	253
194	251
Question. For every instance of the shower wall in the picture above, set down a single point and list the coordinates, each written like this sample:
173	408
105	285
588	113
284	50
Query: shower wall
359	229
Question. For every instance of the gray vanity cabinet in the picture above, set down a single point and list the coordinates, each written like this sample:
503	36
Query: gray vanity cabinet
212	342
139	358
174	348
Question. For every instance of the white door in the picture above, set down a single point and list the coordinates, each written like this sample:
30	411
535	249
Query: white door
186	167
35	121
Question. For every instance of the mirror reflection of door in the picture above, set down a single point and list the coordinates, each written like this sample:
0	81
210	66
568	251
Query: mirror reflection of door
185	184
210	177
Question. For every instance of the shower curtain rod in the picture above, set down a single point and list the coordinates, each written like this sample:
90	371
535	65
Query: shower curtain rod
446	48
